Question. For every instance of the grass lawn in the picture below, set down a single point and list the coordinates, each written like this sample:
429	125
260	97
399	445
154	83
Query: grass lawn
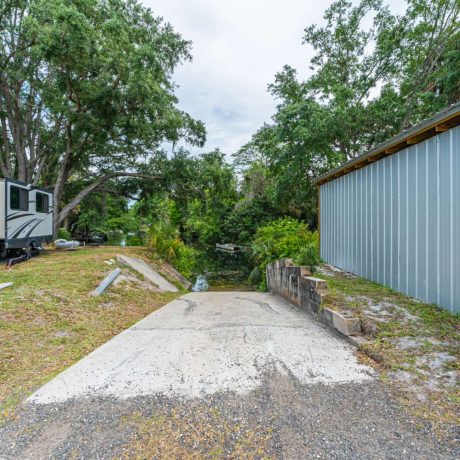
416	345
354	293
48	320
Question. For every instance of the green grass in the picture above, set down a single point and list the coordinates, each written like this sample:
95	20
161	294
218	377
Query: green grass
436	329
435	321
48	320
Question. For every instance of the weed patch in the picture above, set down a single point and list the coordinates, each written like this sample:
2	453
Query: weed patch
416	345
48	320
204	433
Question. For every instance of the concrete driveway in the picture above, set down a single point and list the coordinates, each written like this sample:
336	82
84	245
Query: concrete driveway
220	375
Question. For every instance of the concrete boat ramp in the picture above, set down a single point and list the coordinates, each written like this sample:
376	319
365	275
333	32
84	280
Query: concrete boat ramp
148	272
209	342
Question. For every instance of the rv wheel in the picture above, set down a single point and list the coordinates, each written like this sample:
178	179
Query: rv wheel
3	253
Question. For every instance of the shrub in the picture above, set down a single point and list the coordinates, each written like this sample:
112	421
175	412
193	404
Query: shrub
164	239
308	255
134	240
202	223
280	239
185	261
64	234
241	224
165	243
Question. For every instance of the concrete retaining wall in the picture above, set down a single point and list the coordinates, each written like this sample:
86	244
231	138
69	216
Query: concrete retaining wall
283	278
296	285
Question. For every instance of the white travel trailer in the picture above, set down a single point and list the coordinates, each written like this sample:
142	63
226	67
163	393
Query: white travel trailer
26	216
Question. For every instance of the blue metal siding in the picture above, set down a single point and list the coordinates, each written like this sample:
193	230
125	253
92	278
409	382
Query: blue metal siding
455	274
411	255
397	221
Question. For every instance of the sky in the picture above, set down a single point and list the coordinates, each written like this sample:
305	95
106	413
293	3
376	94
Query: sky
238	47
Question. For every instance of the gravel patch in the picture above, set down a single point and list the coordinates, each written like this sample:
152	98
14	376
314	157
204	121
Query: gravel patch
280	419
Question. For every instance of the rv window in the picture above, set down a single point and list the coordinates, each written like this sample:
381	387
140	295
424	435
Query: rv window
42	202
19	198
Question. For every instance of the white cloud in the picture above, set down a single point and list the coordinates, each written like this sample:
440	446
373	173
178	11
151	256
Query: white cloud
238	46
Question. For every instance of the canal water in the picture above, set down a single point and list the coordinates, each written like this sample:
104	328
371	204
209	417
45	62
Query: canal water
215	270
222	271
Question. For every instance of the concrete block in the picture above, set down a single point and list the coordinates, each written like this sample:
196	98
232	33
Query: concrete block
328	316
346	323
317	297
315	284
315	307
282	263
304	306
294	284
305	296
287	262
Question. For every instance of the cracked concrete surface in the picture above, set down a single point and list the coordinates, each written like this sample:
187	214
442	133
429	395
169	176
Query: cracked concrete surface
204	343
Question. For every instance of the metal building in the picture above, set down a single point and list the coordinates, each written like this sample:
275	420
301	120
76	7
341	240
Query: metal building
392	215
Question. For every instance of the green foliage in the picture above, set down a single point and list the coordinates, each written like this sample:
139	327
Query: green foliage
208	196
280	239
165	243
158	206
164	240
64	234
104	212
297	148
185	260
93	94
202	222
134	240
196	194
309	254
242	222
373	74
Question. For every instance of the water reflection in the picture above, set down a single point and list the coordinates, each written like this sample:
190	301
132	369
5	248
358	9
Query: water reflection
222	271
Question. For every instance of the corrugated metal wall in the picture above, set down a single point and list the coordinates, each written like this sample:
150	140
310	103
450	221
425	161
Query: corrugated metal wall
397	221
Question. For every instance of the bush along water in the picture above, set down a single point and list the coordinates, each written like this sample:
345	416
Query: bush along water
164	242
280	239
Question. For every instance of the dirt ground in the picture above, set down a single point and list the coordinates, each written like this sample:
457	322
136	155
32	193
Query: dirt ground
281	419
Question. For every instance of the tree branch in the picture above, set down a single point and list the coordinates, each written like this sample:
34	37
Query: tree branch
93	186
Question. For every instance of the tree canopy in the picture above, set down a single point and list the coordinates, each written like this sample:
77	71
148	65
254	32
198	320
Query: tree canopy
87	101
373	74
86	92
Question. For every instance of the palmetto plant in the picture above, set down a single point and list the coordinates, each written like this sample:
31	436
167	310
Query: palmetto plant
164	240
165	243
